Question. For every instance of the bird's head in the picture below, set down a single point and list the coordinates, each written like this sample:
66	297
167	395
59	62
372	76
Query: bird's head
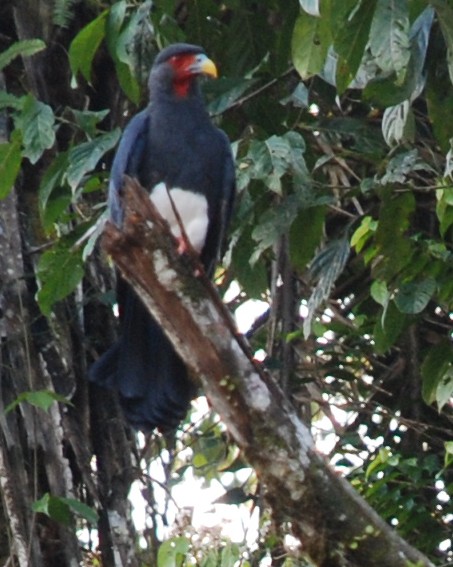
176	68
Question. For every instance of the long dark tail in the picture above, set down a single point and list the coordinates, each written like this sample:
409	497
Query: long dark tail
144	368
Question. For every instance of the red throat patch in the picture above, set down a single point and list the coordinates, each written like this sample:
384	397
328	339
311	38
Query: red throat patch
183	76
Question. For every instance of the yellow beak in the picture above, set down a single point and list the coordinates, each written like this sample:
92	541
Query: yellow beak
204	66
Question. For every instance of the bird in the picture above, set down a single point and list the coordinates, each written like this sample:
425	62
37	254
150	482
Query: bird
183	160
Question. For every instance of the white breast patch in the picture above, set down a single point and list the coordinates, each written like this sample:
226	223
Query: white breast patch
191	207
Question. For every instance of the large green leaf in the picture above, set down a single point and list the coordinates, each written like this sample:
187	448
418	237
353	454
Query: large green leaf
271	159
252	278
388	327
391	89
325	268
391	240
273	223
84	157
305	235
389	36
53	507
413	297
115	20
351	38
60	271
310	42
398	124
37	123
439	99
88	120
224	92
60	509
437	367
444	390
84	46
445	17
82	510
130	43
52	178
444	208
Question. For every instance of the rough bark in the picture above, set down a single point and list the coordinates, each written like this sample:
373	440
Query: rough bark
52	452
335	525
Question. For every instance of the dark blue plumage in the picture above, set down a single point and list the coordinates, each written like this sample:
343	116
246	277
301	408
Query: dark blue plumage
170	146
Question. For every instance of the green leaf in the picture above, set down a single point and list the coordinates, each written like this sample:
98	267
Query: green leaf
84	157
389	36
388	328
363	233
82	510
53	507
252	278
224	92
85	44
444	390
36	121
380	293
391	241
391	89
89	119
448	453
437	364
350	40
376	464
128	82
445	18
8	100
230	555
310	42
444	209
398	124
401	166
114	23
60	270
325	267
130	46
42	399
60	509
10	160
273	223
52	178
413	297
23	48
173	552
305	235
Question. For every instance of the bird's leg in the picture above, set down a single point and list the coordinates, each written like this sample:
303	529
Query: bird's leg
184	244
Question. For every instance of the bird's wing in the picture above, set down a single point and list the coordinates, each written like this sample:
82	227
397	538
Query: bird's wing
127	159
229	187
222	211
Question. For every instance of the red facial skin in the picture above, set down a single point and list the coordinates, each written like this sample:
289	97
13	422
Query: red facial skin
183	75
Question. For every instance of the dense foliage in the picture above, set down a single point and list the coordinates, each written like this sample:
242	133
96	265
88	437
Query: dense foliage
341	117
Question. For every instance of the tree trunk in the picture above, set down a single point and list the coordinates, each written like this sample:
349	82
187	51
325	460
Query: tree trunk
80	451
